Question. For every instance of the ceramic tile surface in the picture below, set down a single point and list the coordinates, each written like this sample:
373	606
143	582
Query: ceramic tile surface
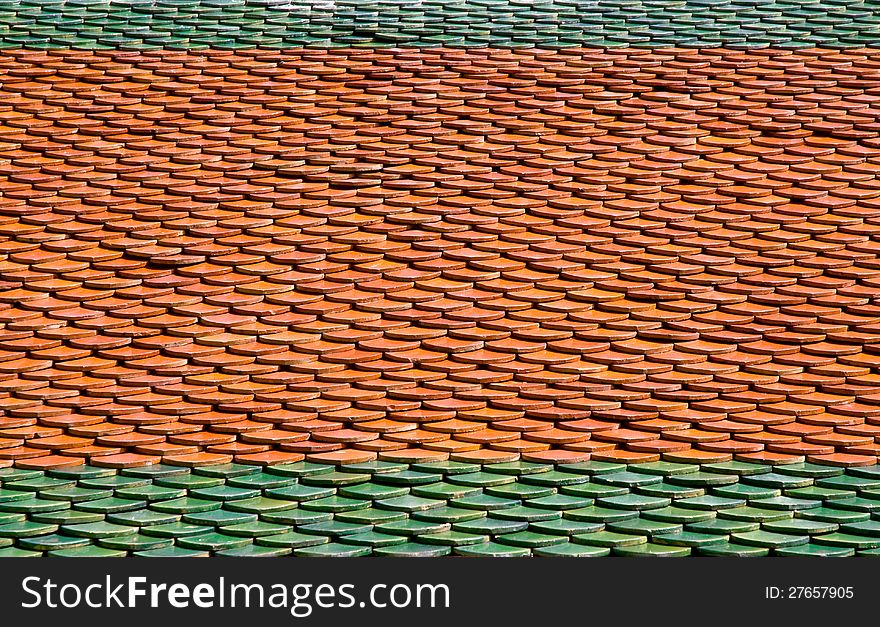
439	267
507	23
518	509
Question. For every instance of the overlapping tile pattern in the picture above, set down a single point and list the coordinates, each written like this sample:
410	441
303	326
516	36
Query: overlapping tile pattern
419	255
589	509
507	23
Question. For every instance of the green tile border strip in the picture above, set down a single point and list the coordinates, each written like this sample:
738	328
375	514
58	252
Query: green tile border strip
472	23
519	509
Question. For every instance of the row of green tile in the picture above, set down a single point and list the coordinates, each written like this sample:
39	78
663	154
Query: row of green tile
588	509
542	23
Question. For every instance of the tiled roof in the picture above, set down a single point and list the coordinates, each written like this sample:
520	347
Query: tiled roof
588	509
416	256
507	23
471	277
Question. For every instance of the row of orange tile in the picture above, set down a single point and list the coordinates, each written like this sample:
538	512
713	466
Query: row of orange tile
481	254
